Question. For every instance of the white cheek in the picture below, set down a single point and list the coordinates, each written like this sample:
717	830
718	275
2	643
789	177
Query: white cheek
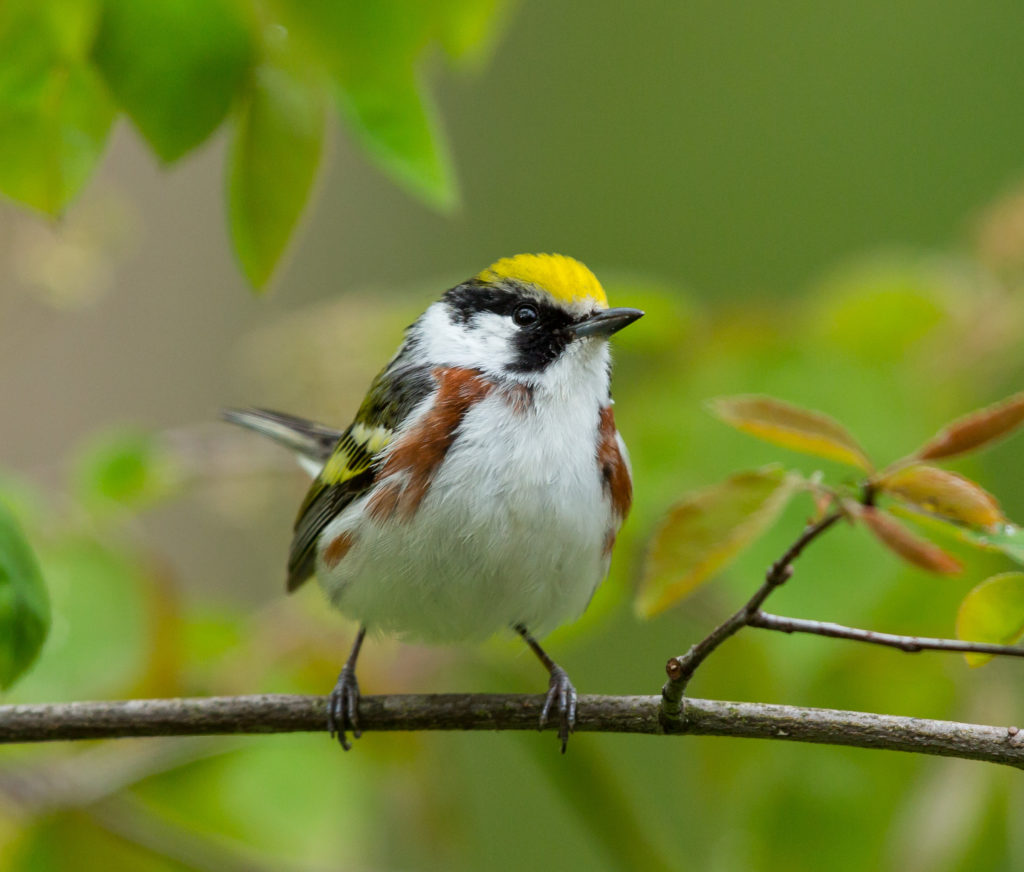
483	343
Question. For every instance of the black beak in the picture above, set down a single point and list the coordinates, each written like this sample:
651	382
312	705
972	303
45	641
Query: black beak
606	322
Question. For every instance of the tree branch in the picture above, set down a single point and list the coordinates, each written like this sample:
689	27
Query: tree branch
910	644
605	714
681	669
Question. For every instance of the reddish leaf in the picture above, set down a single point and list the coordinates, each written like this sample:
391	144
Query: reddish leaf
791	427
975	430
944	494
706	530
992	612
899	539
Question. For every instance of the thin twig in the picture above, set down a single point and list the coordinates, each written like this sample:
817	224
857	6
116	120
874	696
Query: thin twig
681	669
608	714
910	644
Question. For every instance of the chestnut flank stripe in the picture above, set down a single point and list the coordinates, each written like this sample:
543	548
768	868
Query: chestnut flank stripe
417	455
612	466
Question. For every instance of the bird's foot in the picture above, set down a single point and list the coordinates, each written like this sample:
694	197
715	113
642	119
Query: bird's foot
562	693
343	708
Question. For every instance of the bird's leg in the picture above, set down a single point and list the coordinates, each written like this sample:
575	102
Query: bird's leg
343	703
560	689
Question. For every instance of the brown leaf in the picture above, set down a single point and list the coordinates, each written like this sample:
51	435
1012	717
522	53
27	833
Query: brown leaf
944	494
791	427
975	430
706	530
899	539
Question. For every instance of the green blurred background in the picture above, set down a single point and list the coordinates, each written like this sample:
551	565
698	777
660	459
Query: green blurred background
815	201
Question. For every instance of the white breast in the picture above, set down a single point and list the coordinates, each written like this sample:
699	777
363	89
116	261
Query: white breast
512	529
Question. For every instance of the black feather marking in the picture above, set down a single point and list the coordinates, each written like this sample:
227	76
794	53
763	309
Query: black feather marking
394	393
537	344
323	503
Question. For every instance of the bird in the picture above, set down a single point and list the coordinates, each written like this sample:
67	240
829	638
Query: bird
483	481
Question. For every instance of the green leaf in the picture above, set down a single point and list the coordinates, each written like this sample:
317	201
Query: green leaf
706	530
123	468
353	37
55	114
882	309
992	612
274	158
175	66
395	121
468	29
68	26
24	606
791	427
101	601
372	51
1007	539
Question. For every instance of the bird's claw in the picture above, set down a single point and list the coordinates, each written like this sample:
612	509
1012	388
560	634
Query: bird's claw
343	708
560	690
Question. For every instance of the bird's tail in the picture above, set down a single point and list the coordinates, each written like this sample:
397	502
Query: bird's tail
313	442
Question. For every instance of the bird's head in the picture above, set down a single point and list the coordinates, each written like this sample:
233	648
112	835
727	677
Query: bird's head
525	317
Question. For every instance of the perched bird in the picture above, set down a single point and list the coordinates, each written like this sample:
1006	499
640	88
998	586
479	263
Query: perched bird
482	483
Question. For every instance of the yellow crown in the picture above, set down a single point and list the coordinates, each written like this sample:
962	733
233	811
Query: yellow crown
564	278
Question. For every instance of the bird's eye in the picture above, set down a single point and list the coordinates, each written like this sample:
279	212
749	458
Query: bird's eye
525	315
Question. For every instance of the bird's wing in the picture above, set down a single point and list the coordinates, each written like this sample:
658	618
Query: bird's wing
352	467
314	443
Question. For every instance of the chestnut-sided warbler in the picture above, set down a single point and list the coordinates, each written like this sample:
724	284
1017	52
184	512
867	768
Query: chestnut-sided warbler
482	483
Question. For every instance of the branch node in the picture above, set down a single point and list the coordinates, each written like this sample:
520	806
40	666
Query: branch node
778	573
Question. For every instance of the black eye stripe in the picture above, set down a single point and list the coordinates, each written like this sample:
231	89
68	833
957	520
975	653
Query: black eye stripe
465	301
537	343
